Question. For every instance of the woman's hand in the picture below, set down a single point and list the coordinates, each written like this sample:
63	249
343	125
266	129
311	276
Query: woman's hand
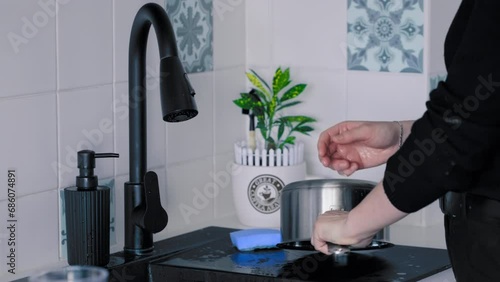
331	227
353	145
357	227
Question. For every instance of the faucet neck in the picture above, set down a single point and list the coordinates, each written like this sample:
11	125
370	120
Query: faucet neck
143	212
149	14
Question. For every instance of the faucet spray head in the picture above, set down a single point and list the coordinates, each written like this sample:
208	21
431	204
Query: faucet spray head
177	94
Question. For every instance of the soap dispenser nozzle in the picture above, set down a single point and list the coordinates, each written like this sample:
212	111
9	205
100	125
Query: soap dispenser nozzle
86	180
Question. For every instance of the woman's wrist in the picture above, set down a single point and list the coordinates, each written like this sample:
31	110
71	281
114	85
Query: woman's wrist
401	133
402	129
407	124
354	233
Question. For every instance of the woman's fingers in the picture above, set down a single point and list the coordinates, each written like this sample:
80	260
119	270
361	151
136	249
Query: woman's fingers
351	169
350	136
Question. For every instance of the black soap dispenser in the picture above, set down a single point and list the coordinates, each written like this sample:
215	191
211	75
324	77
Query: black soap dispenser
87	214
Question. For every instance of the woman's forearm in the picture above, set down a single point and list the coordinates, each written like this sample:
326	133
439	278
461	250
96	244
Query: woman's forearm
372	214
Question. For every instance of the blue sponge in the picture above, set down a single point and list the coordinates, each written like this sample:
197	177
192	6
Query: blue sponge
252	239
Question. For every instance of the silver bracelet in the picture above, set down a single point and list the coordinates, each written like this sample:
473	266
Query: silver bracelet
400	133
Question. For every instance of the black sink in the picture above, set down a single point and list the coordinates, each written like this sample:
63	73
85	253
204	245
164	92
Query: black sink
130	268
126	267
218	261
208	255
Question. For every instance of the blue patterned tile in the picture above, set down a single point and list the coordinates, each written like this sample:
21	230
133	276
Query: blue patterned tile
385	35
435	79
193	25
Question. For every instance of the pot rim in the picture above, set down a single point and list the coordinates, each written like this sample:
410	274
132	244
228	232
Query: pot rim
330	183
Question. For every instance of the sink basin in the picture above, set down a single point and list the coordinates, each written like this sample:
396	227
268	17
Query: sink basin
131	268
127	267
208	255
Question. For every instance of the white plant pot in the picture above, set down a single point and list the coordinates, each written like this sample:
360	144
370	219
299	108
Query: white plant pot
257	192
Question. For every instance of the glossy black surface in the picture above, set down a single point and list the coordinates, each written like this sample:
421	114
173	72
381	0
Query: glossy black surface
307	246
220	261
132	268
207	255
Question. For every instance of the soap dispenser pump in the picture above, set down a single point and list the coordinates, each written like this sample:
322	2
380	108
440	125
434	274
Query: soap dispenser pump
87	208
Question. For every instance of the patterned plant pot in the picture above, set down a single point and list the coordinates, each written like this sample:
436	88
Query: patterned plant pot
257	192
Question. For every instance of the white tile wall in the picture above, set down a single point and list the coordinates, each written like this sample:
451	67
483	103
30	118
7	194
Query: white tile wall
440	15
193	138
259	22
309	33
229	124
189	193
28	48
385	96
229	36
85	43
123	15
121	115
156	127
223	201
29	143
36	233
85	122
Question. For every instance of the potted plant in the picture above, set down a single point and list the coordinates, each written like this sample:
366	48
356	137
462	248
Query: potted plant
262	169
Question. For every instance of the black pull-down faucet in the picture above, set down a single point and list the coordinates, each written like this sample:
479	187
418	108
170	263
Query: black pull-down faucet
144	214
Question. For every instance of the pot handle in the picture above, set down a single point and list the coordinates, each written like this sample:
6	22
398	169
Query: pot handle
338	249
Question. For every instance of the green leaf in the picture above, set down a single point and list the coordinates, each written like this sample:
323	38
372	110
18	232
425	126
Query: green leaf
281	107
261	95
262	127
244	103
281	80
261	124
281	130
271	106
302	119
293	92
290	140
304	129
271	144
260	83
248	102
259	111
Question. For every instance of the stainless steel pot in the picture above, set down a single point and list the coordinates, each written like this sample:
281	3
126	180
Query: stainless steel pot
303	201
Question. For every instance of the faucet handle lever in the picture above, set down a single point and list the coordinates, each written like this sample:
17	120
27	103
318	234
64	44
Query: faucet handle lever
154	218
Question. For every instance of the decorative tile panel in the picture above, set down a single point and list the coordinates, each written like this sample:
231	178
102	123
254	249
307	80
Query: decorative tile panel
435	79
193	26
385	35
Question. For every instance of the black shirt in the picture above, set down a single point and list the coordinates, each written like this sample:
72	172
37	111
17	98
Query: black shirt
454	146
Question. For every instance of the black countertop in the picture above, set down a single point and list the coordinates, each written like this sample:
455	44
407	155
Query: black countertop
208	255
220	261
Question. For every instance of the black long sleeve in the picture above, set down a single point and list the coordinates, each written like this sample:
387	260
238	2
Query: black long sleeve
453	143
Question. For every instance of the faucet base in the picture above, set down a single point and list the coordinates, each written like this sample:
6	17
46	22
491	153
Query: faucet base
138	241
139	252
